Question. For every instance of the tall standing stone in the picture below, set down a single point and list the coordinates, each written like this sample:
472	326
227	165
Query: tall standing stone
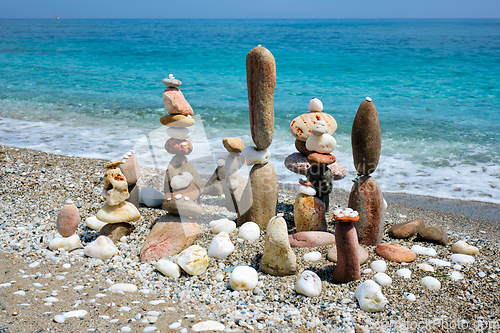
261	80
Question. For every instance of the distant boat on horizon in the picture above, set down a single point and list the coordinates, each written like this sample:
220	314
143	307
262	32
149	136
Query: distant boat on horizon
54	16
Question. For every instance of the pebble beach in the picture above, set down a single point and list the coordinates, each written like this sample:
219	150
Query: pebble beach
37	284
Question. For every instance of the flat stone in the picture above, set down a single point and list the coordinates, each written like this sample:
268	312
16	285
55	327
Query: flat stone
406	229
297	163
278	257
175	102
319	159
233	145
167	239
123	212
433	234
115	231
169	82
301	127
130	169
178	147
312	239
309	213
178	121
261	81
301	147
395	252
362	254
366	138
68	220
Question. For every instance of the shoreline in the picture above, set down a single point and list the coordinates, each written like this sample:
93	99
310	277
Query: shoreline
34	186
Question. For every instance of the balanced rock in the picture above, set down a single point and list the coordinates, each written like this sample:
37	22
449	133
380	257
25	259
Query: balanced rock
312	239
167	239
318	159
301	147
178	121
302	126
233	145
433	234
130	168
346	239
261	81
179	164
366	198
406	229
262	192
175	102
115	186
315	105
309	213
298	163
252	155
362	254
176	146
123	212
366	138
278	257
115	231
395	252
68	220
171	81
178	133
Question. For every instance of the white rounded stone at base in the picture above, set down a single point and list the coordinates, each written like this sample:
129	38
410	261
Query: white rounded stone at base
222	225
67	243
425	267
208	325
312	256
307	190
439	262
249	231
102	248
221	246
182	180
123	287
308	284
404	272
150	197
464	248
456	276
410	296
93	223
251	155
463	259
168	268
243	278
423	250
382	279
178	133
430	283
193	260
378	266
315	105
370	297
323	144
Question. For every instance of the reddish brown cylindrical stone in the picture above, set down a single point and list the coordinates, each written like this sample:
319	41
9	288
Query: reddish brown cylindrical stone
346	240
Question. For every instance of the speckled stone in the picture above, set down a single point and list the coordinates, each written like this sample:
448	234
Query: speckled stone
261	80
175	102
297	163
301	147
177	121
68	220
406	229
366	138
178	147
395	253
309	213
233	145
302	126
433	234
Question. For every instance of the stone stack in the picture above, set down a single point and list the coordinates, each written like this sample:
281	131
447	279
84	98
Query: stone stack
308	210
233	184
366	195
261	192
132	172
182	181
67	223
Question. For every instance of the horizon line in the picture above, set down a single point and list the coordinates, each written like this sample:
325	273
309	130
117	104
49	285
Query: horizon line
241	18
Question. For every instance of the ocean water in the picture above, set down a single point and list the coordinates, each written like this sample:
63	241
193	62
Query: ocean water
93	88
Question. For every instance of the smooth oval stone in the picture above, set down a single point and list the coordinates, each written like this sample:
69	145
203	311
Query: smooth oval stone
249	231
178	133
178	147
382	279
168	238
324	143
251	155
102	248
178	120
168	268
395	253
301	127
115	231
308	284
370	297
463	259
309	213
233	145
123	212
315	105
150	197
221	246
301	147
175	102
366	139
222	225
68	220
171	82
93	223
320	160
261	81
130	168
232	164
464	248
307	190
433	234
297	163
406	229
181	181
193	260
362	254
178	164
312	239
243	278
430	283
404	272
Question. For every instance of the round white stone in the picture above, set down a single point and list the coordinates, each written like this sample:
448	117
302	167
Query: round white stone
243	278
249	231
404	272
222	225
174	325
250	156
439	262
308	284
378	266
382	279
93	223
67	243
59	319
410	296
150	197
464	248
456	276
369	99
426	267
307	190
323	144
370	297
193	260
221	246
367	271
312	256
219	277
168	268
463	259
178	133
423	250
430	283
102	248
182	180
315	105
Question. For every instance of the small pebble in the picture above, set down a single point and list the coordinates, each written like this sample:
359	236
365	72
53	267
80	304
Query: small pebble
378	266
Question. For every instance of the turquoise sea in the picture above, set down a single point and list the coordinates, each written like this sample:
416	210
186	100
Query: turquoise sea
93	88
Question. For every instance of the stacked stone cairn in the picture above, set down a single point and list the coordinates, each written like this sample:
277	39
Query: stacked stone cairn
261	192
313	139
67	223
366	195
182	181
233	184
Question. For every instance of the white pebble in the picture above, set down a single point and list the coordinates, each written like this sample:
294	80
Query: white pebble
249	231
102	248
60	277
404	272
464	248
463	259
430	283
125	308
456	276
168	268
482	274
243	278
174	325
219	277
182	180
221	246
370	297
439	262
208	325
382	279
123	287
307	190
457	267
193	260
425	267
250	156
93	223
51	299
222	225
20	292
159	301
312	256
410	296
308	284
424	250
126	329
34	264
178	133
315	105
367	271
59	319
66	266
378	266
150	329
